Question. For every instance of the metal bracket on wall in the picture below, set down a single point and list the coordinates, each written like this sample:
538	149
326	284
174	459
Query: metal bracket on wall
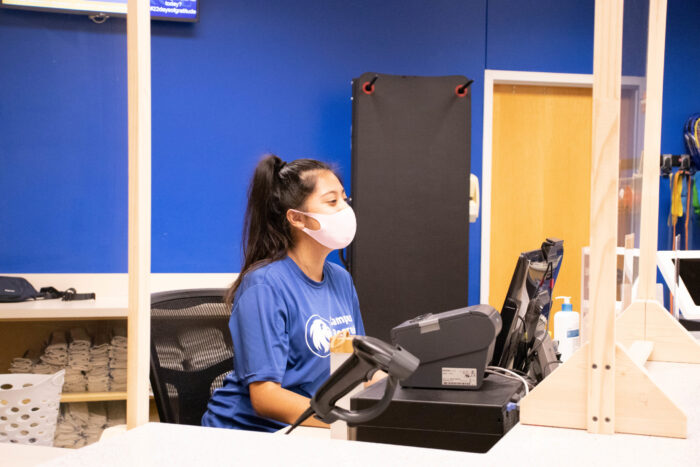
98	18
668	161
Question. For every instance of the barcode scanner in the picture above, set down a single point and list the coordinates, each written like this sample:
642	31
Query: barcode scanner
369	355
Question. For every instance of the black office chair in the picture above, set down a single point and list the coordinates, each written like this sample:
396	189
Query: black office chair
191	351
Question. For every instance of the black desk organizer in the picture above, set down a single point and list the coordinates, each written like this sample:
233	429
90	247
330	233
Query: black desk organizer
456	420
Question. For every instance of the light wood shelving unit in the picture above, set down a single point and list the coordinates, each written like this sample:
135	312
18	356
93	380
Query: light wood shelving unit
57	310
27	325
68	397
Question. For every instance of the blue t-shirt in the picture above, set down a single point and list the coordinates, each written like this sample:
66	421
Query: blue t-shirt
281	325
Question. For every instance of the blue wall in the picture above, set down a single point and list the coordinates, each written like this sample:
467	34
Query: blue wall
275	76
557	37
251	77
540	35
63	144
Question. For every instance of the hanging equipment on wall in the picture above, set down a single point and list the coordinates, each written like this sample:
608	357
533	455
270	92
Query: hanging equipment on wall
688	174
691	135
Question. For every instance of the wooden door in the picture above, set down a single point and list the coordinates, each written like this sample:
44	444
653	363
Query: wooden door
541	176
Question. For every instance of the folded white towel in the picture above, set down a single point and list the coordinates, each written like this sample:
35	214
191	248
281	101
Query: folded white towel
70	429
199	344
79	349
56	352
57	340
82	423
119	337
43	368
80	337
74	381
97	418
170	355
98	383
21	365
79	411
118	381
118	350
100	351
69	440
25	363
116	413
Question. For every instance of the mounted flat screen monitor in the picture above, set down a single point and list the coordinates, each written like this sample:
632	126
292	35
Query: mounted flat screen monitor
529	297
173	10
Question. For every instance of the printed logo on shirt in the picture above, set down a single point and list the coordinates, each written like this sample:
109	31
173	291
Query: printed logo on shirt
319	332
318	336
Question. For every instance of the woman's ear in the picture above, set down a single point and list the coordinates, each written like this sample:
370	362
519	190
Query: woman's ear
296	219
301	221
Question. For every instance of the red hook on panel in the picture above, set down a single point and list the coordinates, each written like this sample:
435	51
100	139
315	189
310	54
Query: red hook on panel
463	89
368	87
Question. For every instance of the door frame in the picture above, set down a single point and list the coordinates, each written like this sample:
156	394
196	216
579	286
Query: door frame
494	77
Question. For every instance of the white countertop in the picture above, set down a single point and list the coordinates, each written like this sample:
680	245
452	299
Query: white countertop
21	455
163	444
680	381
174	445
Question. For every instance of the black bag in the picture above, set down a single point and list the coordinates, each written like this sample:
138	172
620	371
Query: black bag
18	289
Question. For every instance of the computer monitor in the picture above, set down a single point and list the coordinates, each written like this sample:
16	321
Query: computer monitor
526	309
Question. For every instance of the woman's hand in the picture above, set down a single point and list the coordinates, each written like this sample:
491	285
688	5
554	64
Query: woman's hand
378	375
271	400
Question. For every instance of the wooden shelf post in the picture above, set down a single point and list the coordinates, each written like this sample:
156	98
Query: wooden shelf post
138	32
604	387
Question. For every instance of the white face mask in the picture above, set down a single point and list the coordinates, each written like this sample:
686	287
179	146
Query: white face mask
337	229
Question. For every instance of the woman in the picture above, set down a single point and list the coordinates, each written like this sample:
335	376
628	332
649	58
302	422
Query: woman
288	300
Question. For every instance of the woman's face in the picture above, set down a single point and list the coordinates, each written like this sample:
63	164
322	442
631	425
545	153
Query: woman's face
328	197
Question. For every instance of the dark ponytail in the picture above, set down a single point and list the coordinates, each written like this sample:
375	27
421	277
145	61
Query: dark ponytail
276	187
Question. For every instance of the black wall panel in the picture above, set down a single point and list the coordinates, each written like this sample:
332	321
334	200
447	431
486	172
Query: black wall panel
410	190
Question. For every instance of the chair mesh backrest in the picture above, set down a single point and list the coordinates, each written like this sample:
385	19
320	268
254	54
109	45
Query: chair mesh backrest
191	351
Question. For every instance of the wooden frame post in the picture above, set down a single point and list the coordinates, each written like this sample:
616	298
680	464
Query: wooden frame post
138	32
604	387
607	89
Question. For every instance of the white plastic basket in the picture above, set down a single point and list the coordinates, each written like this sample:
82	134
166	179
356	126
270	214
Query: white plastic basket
29	408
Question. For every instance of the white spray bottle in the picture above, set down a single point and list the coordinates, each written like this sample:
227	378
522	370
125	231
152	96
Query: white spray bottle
566	329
